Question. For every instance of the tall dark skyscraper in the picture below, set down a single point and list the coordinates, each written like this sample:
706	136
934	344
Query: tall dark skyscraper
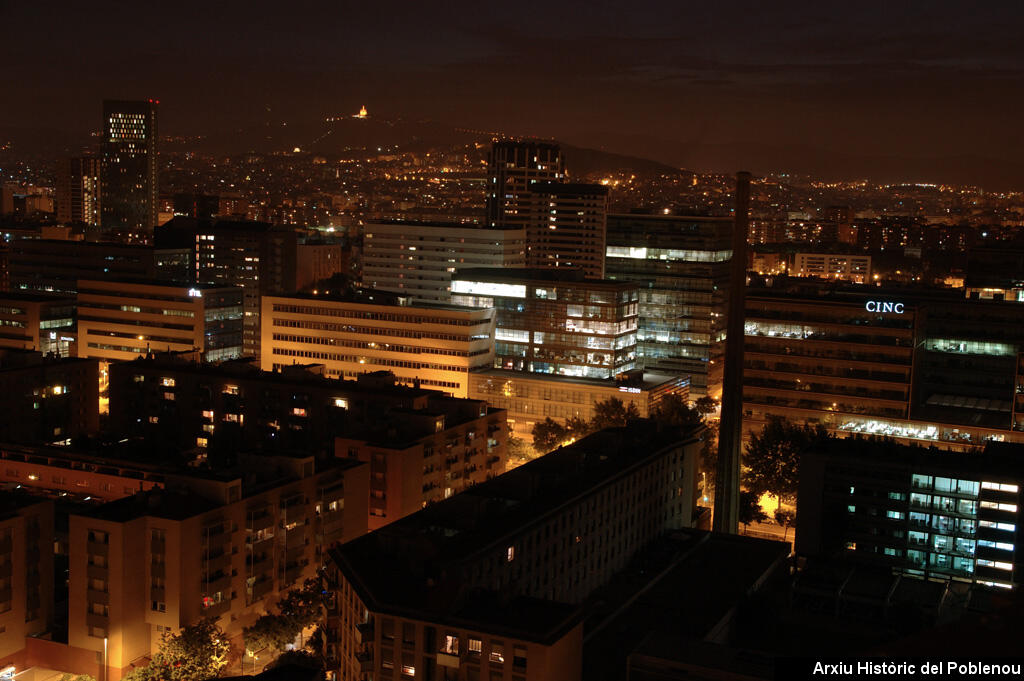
129	177
78	191
513	166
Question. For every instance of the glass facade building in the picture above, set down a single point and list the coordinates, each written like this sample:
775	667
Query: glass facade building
555	321
682	266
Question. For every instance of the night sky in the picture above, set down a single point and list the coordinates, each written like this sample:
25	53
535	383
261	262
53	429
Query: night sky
801	80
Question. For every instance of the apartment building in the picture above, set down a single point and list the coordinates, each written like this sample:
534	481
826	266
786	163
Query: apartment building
555	321
921	512
123	319
487	584
513	167
423	344
567	226
417	258
26	573
420	454
530	398
835	266
220	545
47	399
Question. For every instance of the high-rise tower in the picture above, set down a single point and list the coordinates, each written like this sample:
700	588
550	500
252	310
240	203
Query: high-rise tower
78	191
513	166
129	175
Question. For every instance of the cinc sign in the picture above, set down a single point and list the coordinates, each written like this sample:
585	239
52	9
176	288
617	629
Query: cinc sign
880	306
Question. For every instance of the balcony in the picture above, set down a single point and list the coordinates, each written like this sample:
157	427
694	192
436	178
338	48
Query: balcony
364	632
94	547
155	570
93	596
448	660
261	589
94	620
158	546
156	593
221	561
365	662
260	522
96	572
221	582
217	609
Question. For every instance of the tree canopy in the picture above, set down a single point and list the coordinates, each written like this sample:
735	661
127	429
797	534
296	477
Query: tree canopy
198	651
772	457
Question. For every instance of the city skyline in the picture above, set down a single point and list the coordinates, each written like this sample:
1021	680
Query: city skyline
842	91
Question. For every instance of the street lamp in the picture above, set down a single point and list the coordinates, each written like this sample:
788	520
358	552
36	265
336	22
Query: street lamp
106	669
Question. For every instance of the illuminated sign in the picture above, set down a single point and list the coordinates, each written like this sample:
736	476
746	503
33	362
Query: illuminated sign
195	293
624	389
880	306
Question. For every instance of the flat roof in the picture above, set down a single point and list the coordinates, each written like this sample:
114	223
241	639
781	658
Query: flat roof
412	565
378	298
998	458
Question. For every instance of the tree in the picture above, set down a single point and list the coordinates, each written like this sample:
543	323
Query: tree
518	450
547	434
705	405
708	461
773	457
577	428
297	609
612	413
672	410
785	518
298	658
199	651
750	510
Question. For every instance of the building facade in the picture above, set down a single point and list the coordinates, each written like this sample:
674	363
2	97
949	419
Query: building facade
224	547
835	266
424	344
555	321
128	179
121	320
37	322
488	582
682	266
923	513
47	399
512	168
422	454
78	191
914	365
258	257
418	258
567	226
531	398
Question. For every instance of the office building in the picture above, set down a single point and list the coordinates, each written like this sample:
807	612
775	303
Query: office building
835	266
915	365
426	344
222	545
530	398
56	265
418	258
30	321
512	168
425	452
26	574
488	582
566	226
681	264
78	191
256	256
122	319
47	399
128	179
921	512
555	321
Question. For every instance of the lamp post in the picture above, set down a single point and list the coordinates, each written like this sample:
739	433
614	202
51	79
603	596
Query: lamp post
106	670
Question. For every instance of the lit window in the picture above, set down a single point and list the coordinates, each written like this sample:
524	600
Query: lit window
341	402
497	652
298	411
475	647
510	554
451	644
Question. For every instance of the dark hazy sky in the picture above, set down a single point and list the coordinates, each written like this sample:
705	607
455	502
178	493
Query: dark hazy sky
895	78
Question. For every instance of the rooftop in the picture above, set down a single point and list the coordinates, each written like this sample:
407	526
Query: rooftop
413	565
998	458
645	381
